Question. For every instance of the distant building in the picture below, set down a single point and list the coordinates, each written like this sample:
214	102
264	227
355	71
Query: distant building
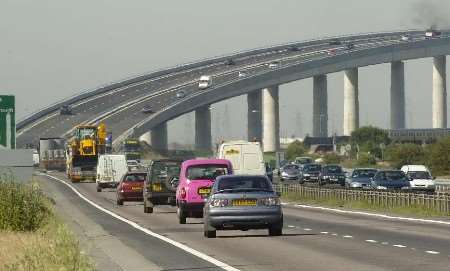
418	136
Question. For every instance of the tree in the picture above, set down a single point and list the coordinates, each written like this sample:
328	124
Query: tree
369	139
438	157
405	154
295	149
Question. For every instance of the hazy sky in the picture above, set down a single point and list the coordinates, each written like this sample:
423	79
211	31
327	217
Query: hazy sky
51	49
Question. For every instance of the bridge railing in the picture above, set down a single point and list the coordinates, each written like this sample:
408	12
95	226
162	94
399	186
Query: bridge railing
190	65
438	203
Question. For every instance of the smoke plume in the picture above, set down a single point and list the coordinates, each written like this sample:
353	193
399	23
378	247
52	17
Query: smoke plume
431	13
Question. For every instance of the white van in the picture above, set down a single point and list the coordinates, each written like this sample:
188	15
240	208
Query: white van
110	169
246	157
205	82
420	177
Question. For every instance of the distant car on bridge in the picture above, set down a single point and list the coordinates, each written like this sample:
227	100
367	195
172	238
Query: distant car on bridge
432	33
274	64
242	74
181	94
65	110
406	38
335	42
205	82
147	109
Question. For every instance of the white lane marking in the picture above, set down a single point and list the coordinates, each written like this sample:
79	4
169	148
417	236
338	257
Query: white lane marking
385	243
149	232
371	241
432	252
307	229
334	234
347	236
375	215
400	246
324	232
291	226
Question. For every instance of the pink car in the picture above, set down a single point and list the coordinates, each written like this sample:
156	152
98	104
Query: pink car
196	178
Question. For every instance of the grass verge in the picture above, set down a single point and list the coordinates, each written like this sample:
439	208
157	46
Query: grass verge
362	205
31	236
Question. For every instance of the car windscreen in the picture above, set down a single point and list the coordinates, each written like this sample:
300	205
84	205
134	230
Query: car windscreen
244	184
303	160
137	177
309	168
419	175
363	173
206	172
394	176
163	170
291	167
333	169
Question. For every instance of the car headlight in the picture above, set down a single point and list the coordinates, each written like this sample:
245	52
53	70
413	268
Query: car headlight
284	174
218	203
272	201
326	177
356	184
381	187
306	175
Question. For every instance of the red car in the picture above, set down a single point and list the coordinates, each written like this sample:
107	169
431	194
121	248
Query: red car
131	187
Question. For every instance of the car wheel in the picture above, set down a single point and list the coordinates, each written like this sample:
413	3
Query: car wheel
147	209
119	201
276	229
209	231
181	216
99	189
342	184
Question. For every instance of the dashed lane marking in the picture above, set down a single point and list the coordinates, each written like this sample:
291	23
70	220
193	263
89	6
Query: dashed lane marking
324	232
307	229
371	241
400	246
347	236
432	252
179	245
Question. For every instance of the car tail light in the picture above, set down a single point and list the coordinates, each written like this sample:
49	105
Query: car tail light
183	193
272	201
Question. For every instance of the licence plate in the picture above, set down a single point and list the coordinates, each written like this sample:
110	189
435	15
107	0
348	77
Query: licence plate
156	187
136	188
204	191
244	202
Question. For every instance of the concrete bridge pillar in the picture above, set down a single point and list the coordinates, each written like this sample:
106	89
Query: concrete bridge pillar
439	92
271	120
351	101
203	139
397	95
254	116
159	137
320	106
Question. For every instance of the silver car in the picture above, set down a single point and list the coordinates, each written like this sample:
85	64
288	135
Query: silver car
242	202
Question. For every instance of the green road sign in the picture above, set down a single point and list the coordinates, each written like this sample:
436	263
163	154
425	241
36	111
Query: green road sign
7	121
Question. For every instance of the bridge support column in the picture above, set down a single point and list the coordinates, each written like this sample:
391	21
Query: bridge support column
159	137
271	120
397	95
203	129
320	106
254	116
439	92
351	101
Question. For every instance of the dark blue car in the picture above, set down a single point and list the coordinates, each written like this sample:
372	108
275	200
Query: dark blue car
390	180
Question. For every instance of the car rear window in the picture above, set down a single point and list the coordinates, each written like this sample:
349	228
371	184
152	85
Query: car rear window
365	173
312	167
206	172
244	184
162	170
135	177
333	169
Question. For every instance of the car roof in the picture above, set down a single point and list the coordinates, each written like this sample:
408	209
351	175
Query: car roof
193	162
240	177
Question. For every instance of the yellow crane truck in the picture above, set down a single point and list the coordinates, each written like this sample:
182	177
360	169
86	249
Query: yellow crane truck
83	150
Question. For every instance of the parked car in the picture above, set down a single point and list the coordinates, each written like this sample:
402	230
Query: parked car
360	178
310	173
65	110
162	182
303	160
196	178
243	202
332	174
390	180
130	187
419	177
147	109
289	172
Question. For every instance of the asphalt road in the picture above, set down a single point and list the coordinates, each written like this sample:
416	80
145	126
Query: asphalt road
312	240
161	92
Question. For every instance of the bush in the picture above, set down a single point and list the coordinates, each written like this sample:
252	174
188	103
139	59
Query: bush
405	154
23	207
366	159
369	139
332	158
438	157
295	149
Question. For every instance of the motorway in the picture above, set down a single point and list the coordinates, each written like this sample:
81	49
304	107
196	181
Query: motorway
312	240
121	109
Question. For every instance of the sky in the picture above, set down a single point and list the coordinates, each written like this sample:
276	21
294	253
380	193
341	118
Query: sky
53	49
